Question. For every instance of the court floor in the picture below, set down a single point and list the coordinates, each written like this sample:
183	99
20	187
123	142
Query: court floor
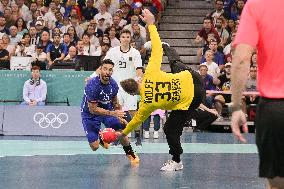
211	161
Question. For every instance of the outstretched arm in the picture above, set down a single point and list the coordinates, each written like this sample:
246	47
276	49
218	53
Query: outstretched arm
157	50
142	114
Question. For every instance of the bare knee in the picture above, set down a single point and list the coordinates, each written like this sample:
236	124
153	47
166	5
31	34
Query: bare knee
95	145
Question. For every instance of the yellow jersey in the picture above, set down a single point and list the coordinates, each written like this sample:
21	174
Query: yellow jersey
161	90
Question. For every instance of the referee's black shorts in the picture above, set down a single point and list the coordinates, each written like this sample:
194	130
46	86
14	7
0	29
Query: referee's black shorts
270	137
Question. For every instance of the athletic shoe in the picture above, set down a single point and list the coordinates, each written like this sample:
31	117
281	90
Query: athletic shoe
132	159
172	166
146	134
156	134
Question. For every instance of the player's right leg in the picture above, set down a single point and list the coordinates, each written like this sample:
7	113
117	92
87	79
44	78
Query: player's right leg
92	128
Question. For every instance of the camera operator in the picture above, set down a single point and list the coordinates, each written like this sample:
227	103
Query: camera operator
24	48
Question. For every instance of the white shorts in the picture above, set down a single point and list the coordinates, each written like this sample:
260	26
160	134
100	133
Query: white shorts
127	101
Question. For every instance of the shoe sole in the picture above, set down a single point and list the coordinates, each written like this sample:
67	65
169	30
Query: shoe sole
178	169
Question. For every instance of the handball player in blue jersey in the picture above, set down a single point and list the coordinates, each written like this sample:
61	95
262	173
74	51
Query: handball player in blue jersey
100	105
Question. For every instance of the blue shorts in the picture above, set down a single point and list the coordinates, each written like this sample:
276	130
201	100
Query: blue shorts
92	126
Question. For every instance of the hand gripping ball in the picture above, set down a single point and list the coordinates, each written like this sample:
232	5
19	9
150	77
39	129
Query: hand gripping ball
108	135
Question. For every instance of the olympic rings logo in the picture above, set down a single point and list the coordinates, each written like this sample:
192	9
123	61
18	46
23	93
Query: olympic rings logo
50	119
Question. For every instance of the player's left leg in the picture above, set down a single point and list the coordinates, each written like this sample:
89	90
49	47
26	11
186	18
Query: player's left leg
173	130
114	123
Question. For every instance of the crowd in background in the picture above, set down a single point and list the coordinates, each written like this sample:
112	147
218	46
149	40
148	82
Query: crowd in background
215	56
52	31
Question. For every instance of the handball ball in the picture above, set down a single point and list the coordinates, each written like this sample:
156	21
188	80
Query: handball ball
108	135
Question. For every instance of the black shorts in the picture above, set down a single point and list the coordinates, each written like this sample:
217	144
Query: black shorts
270	137
199	90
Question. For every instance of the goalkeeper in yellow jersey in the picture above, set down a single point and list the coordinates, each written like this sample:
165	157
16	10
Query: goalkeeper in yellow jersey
181	91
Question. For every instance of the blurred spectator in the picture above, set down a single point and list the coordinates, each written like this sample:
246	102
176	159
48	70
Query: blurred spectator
73	34
24	48
112	35
6	45
228	5
76	25
125	14
80	48
137	10
3	5
45	40
35	89
8	17
33	34
218	57
89	49
39	3
106	38
23	9
237	11
59	7
71	56
21	26
93	38
135	21
56	51
40	27
117	24
219	11
223	33
157	115
213	68
14	36
137	38
112	5
228	49
39	55
251	86
104	14
98	32
101	25
67	41
66	25
254	59
3	28
224	84
203	35
120	21
102	50
74	13
59	19
231	27
16	12
71	4
90	11
28	16
4	54
57	31
209	84
32	22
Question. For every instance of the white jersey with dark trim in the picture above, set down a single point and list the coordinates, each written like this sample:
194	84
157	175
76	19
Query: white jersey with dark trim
125	63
